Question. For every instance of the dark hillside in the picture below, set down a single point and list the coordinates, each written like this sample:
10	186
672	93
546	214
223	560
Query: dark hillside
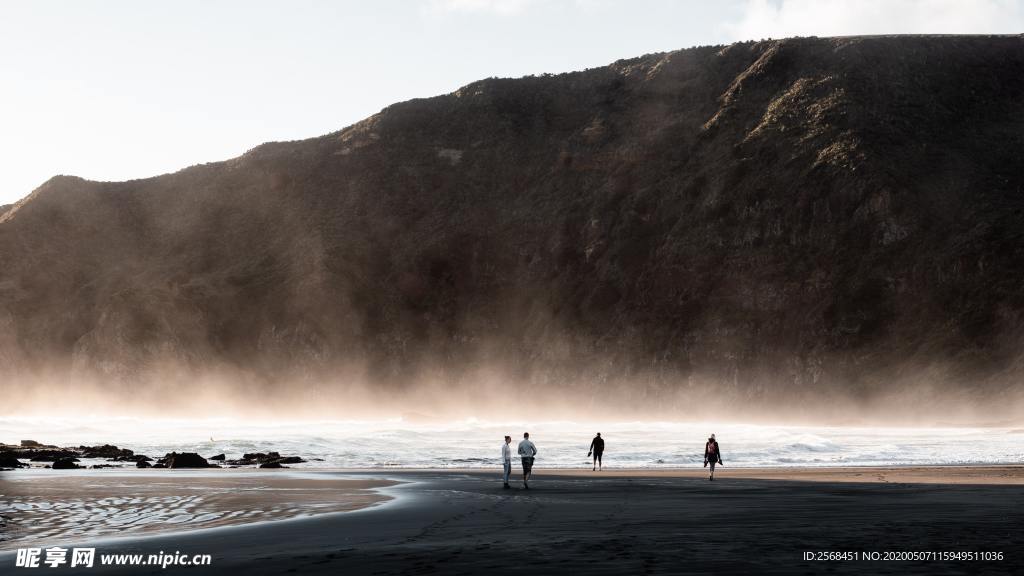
798	219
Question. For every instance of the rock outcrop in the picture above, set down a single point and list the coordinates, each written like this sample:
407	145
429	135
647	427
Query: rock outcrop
184	460
66	464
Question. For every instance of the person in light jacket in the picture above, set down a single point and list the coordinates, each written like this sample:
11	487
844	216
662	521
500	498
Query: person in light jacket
506	459
527	451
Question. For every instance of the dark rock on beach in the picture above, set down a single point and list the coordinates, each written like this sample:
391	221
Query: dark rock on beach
184	460
261	458
143	464
274	464
49	455
217	457
135	458
105	451
65	464
9	460
66	458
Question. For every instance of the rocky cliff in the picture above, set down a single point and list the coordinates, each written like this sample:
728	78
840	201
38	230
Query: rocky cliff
785	221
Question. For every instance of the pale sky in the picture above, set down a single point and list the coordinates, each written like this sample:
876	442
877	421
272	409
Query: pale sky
113	90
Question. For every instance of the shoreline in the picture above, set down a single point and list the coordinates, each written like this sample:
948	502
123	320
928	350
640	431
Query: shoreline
1009	473
989	474
914	474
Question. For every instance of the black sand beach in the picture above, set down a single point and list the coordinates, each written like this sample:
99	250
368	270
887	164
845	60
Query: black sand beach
50	507
625	523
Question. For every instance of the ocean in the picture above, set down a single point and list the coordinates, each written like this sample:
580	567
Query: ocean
470	443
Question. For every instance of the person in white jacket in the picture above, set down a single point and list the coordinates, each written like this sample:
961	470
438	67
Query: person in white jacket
506	459
527	451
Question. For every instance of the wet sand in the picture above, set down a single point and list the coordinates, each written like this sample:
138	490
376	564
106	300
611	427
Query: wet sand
39	508
631	522
1003	474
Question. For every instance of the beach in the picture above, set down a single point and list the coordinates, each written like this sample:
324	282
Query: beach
46	507
763	521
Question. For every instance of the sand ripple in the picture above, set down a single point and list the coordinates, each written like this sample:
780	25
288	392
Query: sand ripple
37	510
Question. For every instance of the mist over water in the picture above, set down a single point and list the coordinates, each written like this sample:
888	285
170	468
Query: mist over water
472	443
491	395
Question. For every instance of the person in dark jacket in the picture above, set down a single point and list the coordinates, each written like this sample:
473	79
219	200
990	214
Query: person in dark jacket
597	449
712	455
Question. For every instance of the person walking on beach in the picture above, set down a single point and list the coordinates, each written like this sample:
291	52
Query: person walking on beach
527	451
712	455
506	459
597	449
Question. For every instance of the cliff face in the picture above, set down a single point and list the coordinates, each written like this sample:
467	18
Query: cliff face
784	219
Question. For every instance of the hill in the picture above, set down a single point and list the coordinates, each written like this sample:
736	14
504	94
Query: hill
792	223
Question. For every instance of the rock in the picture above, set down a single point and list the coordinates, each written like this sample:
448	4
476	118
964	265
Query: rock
217	457
265	458
30	444
274	464
135	458
105	451
9	460
159	465
184	460
240	462
49	455
94	466
143	464
65	464
260	457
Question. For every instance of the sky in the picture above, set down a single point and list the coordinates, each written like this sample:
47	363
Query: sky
122	89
